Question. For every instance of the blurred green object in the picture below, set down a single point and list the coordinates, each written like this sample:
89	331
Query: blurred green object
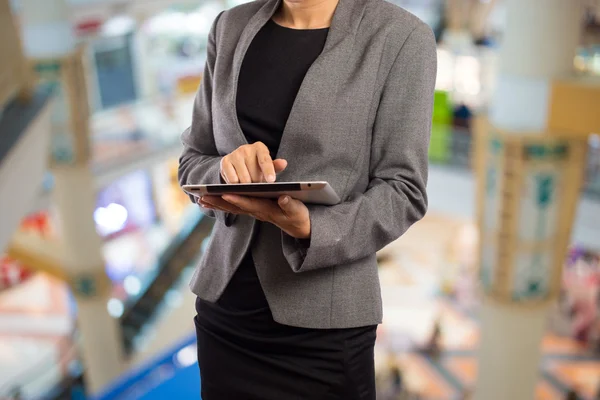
441	131
442	107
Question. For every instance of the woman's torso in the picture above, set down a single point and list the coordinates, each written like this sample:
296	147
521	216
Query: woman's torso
271	74
327	136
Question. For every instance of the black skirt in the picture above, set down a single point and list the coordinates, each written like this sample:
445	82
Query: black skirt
244	354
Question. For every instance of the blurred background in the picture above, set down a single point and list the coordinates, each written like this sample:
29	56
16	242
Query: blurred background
497	287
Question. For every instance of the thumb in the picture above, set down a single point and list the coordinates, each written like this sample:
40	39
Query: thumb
289	206
279	164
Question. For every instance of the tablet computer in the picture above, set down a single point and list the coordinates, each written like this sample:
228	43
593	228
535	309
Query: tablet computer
308	192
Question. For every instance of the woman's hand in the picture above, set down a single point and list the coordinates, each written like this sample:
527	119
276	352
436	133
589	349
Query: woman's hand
290	215
251	163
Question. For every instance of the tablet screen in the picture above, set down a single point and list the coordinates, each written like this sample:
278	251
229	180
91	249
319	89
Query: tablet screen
254	188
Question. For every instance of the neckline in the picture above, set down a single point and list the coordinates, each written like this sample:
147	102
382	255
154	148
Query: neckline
344	24
285	28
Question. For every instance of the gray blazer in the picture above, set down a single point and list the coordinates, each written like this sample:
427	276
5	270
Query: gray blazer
361	121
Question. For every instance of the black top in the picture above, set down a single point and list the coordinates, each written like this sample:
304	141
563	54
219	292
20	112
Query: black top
272	72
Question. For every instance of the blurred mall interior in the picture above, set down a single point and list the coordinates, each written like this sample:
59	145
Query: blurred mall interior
494	295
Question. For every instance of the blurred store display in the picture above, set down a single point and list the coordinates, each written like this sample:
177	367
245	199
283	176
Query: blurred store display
12	273
587	61
125	205
113	61
452	140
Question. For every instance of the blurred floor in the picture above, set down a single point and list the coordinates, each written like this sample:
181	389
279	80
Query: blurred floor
436	253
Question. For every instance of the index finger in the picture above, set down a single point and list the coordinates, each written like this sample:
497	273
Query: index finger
265	162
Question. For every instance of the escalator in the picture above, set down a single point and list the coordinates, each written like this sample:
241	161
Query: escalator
24	144
181	253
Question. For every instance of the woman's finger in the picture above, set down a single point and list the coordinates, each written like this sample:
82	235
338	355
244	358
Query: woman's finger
254	168
204	204
228	171
231	210
280	164
264	162
220	204
291	208
262	209
239	163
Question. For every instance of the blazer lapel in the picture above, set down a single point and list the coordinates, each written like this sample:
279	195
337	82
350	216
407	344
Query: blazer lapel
321	81
337	49
259	19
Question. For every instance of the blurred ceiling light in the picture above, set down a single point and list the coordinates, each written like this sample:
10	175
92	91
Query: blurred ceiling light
118	26
167	22
186	356
132	285
111	218
468	75
115	308
210	10
445	70
197	23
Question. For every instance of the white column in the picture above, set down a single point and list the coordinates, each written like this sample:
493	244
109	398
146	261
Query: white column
48	34
509	352
539	45
101	342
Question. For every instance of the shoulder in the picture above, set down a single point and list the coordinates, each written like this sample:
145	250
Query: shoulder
397	25
238	16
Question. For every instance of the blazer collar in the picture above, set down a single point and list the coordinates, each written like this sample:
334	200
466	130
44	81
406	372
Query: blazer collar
345	22
346	19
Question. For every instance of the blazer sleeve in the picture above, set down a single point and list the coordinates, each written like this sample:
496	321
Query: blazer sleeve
200	160
396	195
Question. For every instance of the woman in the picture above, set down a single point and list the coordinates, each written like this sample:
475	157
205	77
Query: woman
334	90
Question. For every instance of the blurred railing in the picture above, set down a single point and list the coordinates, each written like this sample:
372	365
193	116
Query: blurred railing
183	251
